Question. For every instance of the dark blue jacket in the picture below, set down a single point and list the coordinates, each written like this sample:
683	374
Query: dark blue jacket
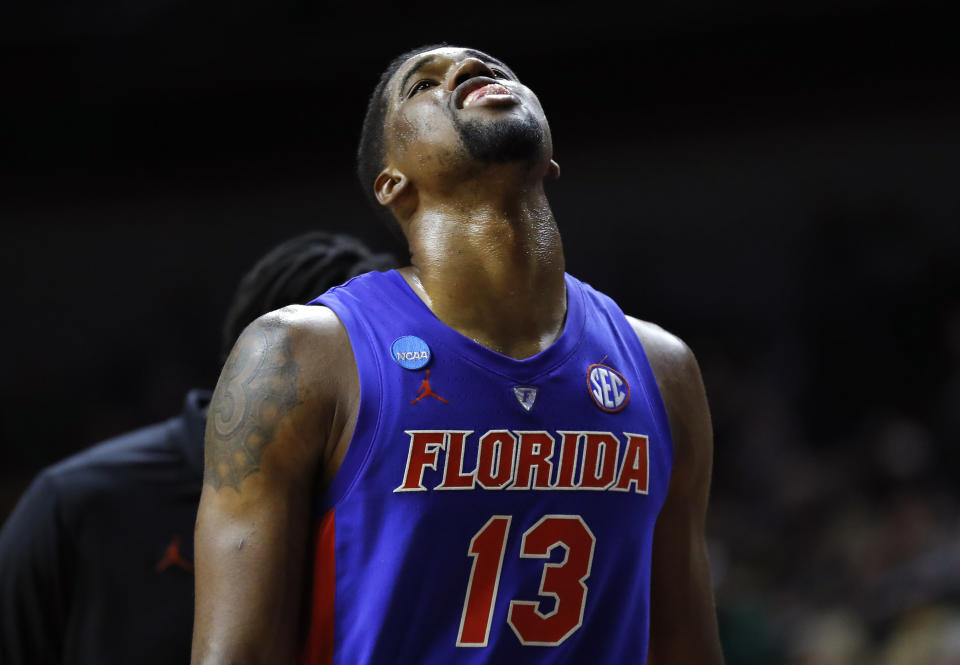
96	558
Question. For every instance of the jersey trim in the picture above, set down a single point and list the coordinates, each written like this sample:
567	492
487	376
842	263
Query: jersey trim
369	376
522	371
318	649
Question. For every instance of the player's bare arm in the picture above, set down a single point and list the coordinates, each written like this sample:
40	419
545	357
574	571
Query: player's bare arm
275	425
683	625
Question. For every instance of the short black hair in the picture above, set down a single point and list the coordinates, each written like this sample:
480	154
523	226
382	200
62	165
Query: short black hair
372	150
295	272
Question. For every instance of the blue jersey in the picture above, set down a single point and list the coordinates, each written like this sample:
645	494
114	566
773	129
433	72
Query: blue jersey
489	510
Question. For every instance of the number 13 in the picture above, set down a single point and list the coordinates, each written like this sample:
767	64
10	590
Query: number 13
564	581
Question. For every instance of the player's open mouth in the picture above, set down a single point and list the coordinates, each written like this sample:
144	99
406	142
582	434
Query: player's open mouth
489	94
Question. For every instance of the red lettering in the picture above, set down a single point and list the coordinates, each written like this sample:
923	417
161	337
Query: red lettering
599	460
453	476
525	460
424	447
569	447
636	464
495	459
533	461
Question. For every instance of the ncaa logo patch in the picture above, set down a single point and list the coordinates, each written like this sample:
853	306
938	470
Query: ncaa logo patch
608	388
410	352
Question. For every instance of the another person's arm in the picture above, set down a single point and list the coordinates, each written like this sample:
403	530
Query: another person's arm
272	414
35	579
683	620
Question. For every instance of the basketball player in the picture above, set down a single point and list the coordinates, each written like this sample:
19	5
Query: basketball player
96	561
503	466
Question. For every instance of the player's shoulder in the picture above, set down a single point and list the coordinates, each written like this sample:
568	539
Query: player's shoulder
669	355
301	328
300	319
308	341
680	382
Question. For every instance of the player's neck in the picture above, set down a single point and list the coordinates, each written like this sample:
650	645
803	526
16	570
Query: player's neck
492	269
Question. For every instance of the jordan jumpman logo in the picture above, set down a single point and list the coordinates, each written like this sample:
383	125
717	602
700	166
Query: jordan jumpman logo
427	391
172	557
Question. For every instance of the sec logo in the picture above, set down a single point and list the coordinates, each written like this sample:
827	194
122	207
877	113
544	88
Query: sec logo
608	388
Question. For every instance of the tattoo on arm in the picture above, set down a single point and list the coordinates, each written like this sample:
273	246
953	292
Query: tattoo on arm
258	385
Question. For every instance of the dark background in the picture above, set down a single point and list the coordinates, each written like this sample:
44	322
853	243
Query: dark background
775	184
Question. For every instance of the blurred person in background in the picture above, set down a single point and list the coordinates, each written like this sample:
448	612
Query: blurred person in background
96	558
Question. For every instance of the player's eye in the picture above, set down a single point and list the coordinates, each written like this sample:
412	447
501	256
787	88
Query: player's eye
498	74
420	85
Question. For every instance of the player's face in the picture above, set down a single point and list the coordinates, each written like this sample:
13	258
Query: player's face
454	105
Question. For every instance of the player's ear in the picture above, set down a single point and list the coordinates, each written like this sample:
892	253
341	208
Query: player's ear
389	185
553	171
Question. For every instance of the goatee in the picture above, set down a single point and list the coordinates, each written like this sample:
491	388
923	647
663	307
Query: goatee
502	141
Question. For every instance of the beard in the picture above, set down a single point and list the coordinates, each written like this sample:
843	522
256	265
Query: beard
502	141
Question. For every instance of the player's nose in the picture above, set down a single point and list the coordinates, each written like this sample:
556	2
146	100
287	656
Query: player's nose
467	69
